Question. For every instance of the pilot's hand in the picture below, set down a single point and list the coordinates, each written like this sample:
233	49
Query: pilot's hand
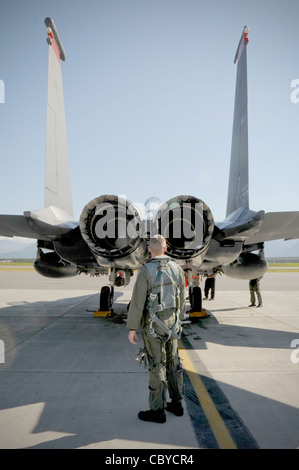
133	336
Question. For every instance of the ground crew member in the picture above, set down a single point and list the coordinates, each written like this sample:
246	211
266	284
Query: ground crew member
160	335
210	284
254	288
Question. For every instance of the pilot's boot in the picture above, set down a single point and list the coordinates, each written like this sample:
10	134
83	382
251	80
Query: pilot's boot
175	407
158	416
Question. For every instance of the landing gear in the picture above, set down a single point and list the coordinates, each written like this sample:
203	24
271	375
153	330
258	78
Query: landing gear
106	298
118	278
106	302
195	298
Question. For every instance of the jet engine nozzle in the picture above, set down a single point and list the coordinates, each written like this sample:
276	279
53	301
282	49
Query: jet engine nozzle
110	225
187	224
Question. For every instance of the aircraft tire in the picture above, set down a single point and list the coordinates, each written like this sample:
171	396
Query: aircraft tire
105	299
196	299
111	294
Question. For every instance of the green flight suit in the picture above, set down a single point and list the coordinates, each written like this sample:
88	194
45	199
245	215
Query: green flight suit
254	288
164	362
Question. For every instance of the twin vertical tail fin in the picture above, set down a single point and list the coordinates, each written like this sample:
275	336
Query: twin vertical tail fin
238	195
57	172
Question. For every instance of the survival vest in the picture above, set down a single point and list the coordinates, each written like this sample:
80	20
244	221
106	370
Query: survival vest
165	277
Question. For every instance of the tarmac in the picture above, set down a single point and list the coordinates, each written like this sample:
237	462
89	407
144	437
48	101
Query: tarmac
70	380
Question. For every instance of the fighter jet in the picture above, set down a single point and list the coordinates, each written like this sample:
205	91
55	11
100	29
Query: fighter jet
112	234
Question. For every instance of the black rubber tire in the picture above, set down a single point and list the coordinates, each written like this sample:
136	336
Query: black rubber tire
196	299
105	299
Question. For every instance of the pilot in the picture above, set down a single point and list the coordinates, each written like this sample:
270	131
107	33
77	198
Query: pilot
254	288
160	339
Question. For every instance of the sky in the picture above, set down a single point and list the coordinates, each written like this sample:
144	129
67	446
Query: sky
149	95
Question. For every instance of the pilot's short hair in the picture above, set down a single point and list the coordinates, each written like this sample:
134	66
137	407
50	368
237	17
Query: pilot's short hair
157	243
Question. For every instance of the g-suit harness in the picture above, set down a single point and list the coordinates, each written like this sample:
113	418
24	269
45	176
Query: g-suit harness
164	295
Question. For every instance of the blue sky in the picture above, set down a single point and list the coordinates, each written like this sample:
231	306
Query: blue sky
149	93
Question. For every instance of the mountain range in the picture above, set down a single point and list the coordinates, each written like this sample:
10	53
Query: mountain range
11	248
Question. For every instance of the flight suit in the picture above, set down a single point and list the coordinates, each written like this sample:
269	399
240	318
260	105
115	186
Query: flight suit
163	359
210	284
254	288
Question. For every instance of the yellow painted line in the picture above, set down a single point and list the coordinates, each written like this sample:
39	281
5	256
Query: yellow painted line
282	270
15	268
220	431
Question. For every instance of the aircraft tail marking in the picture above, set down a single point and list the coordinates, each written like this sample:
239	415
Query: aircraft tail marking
238	195
54	39
57	172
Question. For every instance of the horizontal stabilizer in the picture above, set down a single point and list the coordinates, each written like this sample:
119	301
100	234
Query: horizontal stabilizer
16	226
277	225
45	224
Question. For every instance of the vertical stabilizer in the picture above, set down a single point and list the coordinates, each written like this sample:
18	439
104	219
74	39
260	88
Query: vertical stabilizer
238	195
57	173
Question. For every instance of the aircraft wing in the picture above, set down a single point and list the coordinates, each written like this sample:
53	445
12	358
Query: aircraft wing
257	227
277	225
16	226
46	224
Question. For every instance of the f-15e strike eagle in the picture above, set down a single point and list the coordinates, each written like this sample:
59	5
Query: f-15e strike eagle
112	234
